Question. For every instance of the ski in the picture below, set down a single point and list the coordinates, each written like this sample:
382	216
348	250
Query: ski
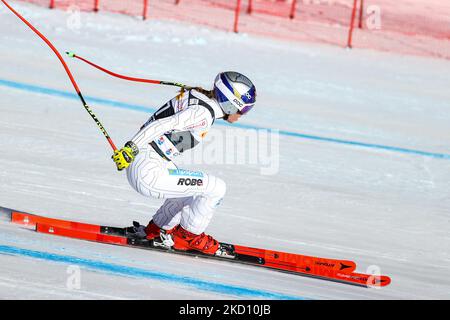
317	267
245	256
268	258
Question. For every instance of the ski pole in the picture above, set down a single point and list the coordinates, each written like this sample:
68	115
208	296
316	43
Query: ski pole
77	89
167	83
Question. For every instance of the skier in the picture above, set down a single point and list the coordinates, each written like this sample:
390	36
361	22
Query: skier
191	196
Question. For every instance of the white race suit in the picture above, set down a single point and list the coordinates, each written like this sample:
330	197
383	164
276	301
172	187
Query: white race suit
191	196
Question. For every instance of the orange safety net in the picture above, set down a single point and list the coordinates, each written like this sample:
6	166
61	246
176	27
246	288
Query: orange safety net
420	27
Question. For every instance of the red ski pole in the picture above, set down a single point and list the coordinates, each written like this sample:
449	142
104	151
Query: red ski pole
117	75
77	89
352	25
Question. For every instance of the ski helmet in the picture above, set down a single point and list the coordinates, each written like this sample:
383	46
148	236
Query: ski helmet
234	92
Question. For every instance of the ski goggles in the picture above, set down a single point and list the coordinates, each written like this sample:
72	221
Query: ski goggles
229	101
246	109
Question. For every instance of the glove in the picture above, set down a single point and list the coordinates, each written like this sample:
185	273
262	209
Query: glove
125	156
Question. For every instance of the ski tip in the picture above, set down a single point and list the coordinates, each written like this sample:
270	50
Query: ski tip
70	54
378	281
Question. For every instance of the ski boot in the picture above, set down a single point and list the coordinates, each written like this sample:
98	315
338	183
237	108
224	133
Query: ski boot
185	240
151	232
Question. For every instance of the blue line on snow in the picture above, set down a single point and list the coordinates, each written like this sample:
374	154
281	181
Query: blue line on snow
147	274
122	105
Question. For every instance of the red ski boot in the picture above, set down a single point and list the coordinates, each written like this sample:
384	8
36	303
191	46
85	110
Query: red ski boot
153	232
185	240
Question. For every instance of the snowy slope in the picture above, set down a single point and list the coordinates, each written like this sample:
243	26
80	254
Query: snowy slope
350	198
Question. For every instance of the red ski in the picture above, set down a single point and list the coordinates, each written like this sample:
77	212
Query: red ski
327	269
274	259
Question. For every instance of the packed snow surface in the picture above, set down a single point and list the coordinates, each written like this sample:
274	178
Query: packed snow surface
357	166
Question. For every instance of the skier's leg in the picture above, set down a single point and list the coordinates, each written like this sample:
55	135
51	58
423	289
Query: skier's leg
192	199
196	211
192	194
168	215
144	171
197	215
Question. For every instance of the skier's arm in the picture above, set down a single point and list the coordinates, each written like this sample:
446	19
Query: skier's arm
179	121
